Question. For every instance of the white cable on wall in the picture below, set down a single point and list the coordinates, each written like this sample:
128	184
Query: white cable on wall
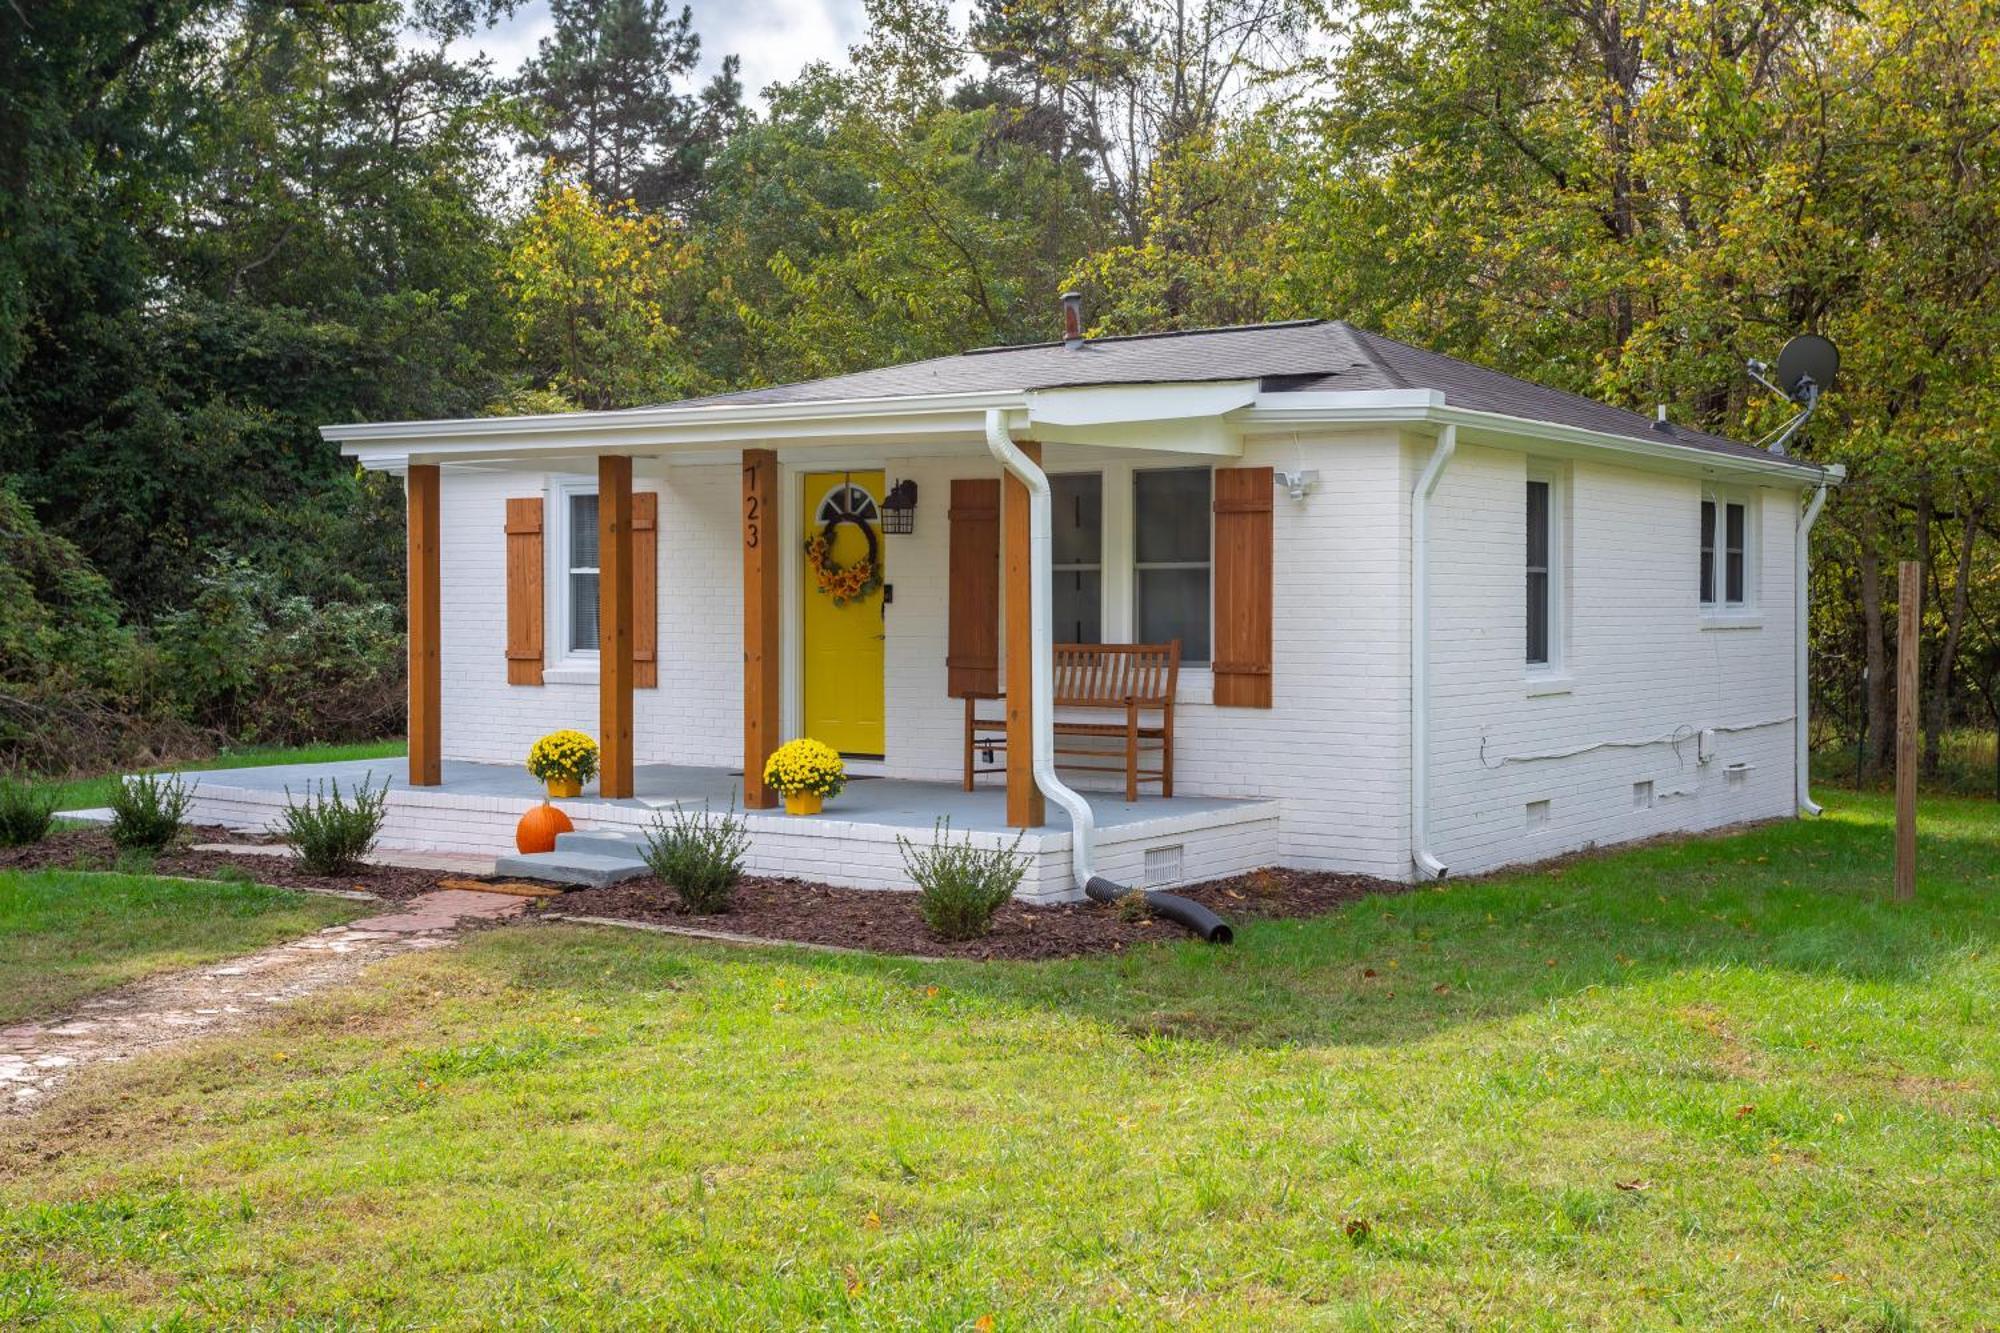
1676	738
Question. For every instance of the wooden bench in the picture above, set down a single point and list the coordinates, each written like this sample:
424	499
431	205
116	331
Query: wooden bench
1136	679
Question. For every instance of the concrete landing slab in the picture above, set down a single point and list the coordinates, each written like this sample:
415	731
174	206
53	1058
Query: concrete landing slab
590	869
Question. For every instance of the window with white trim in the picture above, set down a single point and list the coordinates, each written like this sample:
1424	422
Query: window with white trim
577	588
1725	552
1545	565
1076	533
1172	541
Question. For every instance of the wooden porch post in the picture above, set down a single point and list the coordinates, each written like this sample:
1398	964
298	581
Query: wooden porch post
426	682
760	623
614	624
1024	798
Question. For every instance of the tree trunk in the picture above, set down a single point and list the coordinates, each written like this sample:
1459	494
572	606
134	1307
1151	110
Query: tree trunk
1938	710
1881	738
1926	511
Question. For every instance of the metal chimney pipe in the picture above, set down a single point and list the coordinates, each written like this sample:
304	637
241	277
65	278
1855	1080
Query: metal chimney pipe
1072	308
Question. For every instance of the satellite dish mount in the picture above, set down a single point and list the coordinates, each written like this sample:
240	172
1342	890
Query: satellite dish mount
1804	372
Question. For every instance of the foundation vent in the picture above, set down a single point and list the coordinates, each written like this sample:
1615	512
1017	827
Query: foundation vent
1163	865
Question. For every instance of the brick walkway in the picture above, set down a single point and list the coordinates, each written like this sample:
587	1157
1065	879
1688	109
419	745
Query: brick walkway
36	1057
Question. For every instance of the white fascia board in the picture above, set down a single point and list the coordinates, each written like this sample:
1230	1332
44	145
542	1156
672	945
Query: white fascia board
1117	404
1295	410
384	445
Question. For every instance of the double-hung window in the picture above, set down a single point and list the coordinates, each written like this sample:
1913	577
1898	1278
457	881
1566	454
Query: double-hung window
1130	557
1725	536
579	555
1077	551
1172	553
1541	592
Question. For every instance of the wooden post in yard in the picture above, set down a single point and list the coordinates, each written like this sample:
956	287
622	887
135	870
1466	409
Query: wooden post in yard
614	624
1024	798
760	623
1910	599
426	681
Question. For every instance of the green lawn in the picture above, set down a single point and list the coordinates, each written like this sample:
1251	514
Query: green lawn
1715	1083
89	793
64	935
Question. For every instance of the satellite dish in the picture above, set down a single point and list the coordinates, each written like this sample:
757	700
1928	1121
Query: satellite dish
1806	367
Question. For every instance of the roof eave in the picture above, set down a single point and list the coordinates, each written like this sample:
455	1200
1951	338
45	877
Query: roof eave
1429	407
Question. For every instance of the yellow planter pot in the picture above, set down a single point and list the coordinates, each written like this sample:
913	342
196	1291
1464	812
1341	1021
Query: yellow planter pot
565	787
802	802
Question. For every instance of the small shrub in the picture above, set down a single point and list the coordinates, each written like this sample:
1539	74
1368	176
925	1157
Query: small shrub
960	886
149	811
25	812
327	832
1133	908
700	857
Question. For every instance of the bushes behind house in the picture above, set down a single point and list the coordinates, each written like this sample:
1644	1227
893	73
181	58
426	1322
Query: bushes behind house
256	651
960	885
699	856
25	812
329	833
149	811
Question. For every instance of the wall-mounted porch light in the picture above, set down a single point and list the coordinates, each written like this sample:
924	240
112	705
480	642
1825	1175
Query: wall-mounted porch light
899	508
1298	484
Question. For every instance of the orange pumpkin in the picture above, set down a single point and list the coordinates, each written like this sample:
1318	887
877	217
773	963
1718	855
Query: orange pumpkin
538	828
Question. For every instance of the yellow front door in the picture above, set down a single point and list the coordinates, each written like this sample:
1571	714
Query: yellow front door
844	640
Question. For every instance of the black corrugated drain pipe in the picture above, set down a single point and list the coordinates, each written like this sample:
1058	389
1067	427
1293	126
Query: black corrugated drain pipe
1169	906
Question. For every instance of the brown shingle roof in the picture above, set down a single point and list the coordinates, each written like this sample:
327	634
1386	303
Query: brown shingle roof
1314	354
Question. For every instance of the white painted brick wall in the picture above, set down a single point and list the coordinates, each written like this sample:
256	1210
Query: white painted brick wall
695	714
1640	658
1334	752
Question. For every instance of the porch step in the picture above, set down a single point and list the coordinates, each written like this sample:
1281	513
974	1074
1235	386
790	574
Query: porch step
566	866
629	844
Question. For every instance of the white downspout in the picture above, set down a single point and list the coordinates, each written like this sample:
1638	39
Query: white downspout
1041	636
1420	655
1801	545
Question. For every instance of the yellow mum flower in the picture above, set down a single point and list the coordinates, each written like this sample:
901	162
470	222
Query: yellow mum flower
563	756
806	765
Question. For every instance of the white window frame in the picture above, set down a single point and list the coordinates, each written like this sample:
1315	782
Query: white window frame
561	491
1117	571
1103	547
1129	554
1719	607
1558	574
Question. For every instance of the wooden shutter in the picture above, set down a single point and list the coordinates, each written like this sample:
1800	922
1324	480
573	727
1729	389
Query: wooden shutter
524	591
645	589
1243	587
972	653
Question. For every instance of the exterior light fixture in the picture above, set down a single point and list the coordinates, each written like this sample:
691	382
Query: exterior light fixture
899	508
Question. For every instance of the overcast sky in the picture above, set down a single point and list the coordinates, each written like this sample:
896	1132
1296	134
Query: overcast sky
775	38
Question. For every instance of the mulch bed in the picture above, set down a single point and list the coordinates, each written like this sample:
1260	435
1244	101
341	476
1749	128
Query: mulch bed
92	849
884	921
880	921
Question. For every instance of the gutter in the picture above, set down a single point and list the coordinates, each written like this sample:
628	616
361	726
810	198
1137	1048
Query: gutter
1801	550
1420	654
1041	636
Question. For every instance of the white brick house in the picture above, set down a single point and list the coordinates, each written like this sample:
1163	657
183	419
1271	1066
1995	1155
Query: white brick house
1604	644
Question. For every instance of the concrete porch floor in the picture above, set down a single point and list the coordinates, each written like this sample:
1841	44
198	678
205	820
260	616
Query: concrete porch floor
1154	841
895	802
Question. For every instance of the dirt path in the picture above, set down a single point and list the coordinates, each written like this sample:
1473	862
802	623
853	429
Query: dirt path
36	1057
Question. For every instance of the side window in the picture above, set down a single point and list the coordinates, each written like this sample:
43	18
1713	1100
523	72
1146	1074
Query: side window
1541	517
580	559
1171	519
1725	544
1077	556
